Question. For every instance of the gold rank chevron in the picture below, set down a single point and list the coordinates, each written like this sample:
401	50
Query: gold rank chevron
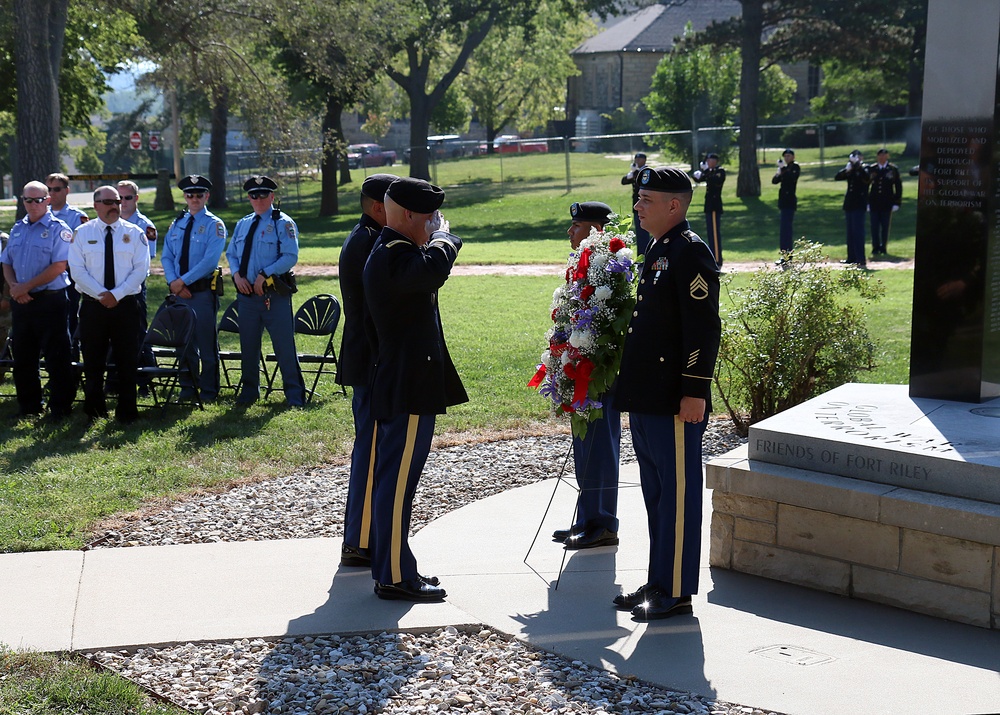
699	288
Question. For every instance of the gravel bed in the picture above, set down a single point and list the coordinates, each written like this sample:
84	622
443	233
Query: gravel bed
447	670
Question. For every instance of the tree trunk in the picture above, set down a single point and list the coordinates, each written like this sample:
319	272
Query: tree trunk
748	181
217	148
39	29
333	137
420	123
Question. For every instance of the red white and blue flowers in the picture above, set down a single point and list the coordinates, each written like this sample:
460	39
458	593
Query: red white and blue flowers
590	313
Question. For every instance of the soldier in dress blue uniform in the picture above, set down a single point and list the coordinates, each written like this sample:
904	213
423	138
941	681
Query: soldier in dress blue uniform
264	249
110	260
595	457
884	198
414	380
787	175
34	269
58	187
192	248
855	205
714	177
665	384
356	365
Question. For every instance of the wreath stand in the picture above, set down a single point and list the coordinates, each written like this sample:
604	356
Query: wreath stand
559	478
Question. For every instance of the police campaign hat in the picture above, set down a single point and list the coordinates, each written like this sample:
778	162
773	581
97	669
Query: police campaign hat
260	183
666	179
375	186
591	211
416	195
194	182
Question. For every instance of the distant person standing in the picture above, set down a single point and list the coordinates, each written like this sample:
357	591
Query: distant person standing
884	198
192	249
632	179
58	188
787	176
855	205
713	176
129	193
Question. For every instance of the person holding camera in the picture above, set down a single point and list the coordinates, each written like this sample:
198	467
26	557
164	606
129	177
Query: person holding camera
261	255
713	176
192	247
632	179
855	205
787	175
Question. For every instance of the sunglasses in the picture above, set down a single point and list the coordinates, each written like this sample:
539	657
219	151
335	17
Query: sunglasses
127	198
108	202
56	189
194	194
34	199
259	194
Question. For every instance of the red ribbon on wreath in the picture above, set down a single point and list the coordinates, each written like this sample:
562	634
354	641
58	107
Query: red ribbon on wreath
580	374
582	265
538	378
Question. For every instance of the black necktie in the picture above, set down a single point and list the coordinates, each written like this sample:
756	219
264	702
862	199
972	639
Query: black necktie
245	258
109	259
186	246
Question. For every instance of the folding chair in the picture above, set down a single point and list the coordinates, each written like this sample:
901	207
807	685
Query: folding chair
319	315
229	323
6	366
171	338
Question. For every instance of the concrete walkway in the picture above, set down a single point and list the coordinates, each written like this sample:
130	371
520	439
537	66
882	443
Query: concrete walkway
751	641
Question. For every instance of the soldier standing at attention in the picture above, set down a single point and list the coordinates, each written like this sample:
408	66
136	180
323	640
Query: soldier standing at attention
356	365
714	176
855	204
884	199
265	244
414	380
192	248
788	176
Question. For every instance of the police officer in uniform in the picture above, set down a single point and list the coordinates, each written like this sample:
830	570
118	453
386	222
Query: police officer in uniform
855	204
264	249
595	457
665	384
34	269
192	248
109	259
58	187
788	176
356	365
884	198
632	179
714	176
414	380
129	193
4	308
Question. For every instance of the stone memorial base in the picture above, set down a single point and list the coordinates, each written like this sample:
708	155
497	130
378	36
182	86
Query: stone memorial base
871	494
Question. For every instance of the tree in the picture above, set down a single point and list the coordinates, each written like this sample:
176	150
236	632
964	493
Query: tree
516	72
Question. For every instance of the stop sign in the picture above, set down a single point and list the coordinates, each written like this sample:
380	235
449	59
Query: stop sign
154	141
135	140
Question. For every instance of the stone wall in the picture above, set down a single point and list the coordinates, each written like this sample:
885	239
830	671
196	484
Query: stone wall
923	552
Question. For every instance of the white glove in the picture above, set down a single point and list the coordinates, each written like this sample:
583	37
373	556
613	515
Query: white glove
781	163
703	165
895	209
849	165
697	175
631	175
437	222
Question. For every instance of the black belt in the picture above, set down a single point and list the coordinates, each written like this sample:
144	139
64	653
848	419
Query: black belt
200	285
41	293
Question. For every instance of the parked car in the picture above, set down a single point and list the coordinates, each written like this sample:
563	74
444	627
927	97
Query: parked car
369	155
513	144
443	146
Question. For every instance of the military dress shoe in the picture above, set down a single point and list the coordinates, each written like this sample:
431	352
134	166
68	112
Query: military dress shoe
429	580
417	590
628	601
354	556
658	604
591	539
561	535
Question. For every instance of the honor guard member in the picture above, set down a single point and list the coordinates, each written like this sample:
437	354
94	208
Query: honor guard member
109	259
632	179
192	248
261	255
34	269
884	198
414	379
58	187
787	175
595	456
714	176
665	384
356	365
855	205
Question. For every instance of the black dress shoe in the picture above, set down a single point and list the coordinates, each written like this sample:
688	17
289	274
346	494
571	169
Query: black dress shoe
658	604
592	538
416	590
354	556
561	535
628	601
432	580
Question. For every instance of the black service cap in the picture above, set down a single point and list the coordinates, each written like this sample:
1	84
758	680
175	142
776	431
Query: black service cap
712	155
416	195
375	186
592	211
260	182
666	179
194	182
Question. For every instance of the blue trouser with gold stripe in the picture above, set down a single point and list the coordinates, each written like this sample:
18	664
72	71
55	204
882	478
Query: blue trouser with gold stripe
713	234
670	471
360	489
401	447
